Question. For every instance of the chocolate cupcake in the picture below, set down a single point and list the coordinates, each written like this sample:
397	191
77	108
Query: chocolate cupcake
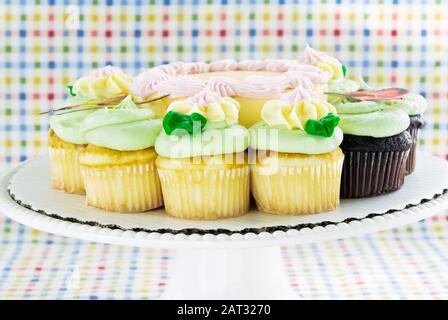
414	105
376	147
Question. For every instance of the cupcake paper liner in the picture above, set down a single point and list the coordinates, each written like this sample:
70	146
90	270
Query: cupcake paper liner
123	188
305	185
202	192
372	173
412	158
65	169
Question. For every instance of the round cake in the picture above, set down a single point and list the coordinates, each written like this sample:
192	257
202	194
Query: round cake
250	82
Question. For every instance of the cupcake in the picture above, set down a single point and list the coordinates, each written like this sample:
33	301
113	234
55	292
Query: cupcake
118	164
298	162
65	142
202	163
376	147
414	105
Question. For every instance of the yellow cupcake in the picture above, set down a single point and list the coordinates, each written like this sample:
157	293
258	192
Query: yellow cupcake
64	163
298	164
297	184
123	181
213	187
202	163
65	141
118	165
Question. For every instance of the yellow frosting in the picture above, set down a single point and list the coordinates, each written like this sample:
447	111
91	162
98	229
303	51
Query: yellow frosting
332	66
295	115
225	110
104	86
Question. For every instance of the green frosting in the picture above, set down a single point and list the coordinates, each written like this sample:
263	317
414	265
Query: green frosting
211	141
123	128
358	107
412	104
282	139
366	119
66	124
341	86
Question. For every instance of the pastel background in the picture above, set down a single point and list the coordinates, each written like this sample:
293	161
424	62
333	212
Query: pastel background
46	45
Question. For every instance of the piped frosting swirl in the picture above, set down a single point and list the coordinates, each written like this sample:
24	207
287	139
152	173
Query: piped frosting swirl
103	83
211	105
295	108
177	80
324	61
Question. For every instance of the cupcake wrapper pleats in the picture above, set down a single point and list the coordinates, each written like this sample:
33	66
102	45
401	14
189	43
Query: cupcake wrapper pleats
65	169
305	188
124	188
412	158
205	193
372	173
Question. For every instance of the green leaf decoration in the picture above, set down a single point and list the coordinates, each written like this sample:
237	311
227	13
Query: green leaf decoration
323	127
174	120
70	89
344	69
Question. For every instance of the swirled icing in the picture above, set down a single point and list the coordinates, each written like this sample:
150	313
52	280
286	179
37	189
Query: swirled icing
181	86
221	134
281	139
372	119
145	83
284	120
315	74
176	78
103	83
294	109
324	61
222	85
123	128
66	124
412	104
223	65
211	105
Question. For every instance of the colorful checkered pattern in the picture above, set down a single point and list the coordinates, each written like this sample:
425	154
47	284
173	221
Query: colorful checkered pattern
407	263
46	45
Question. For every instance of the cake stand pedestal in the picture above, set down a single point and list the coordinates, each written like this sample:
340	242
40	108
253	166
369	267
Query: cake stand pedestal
247	273
236	258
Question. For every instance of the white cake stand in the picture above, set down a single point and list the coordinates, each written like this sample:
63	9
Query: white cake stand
229	259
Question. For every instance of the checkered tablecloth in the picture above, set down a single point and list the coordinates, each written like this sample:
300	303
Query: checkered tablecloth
45	45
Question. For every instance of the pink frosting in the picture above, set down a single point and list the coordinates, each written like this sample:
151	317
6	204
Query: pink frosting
297	79
249	89
197	67
223	65
251	65
280	83
146	83
204	97
316	75
312	56
105	72
297	95
174	69
181	86
278	65
222	85
174	79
